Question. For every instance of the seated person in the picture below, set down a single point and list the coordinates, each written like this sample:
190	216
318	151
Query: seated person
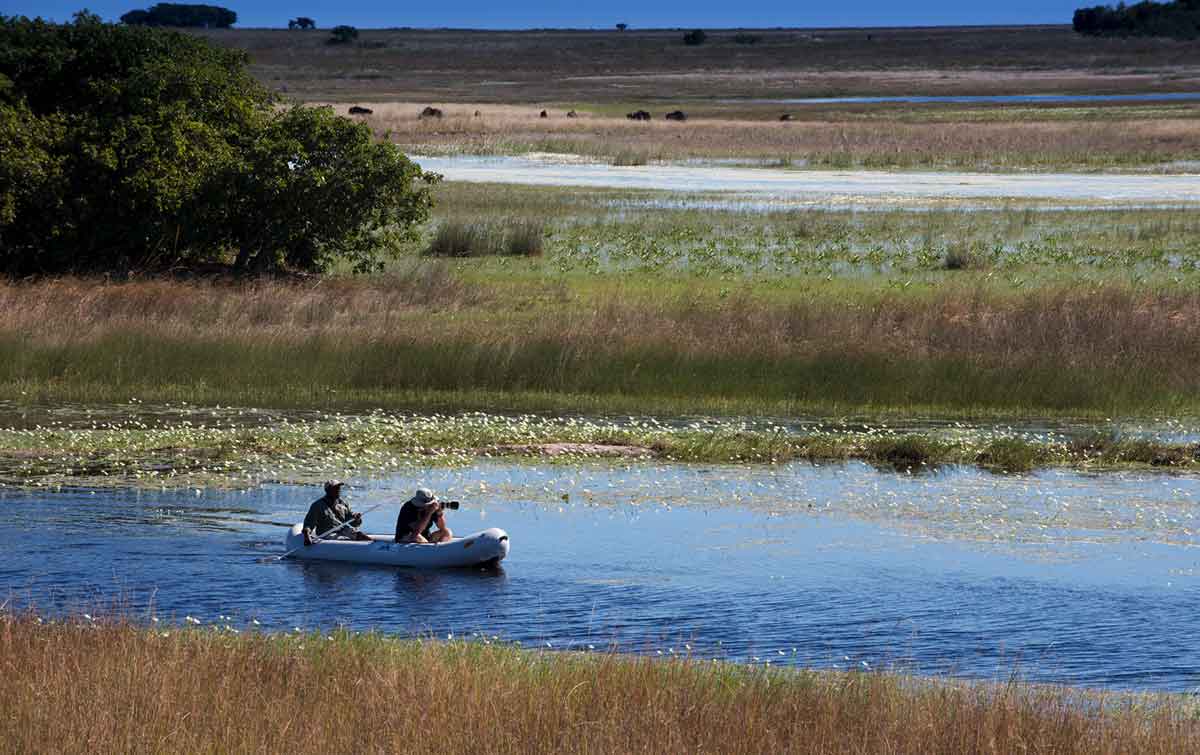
418	515
329	516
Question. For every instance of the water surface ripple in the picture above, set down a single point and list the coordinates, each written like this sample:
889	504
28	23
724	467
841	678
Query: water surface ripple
1059	576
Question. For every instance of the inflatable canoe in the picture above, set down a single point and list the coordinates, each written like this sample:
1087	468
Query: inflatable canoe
482	548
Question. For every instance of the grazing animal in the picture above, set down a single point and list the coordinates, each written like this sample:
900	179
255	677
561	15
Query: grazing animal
638	115
785	117
356	110
431	112
572	114
544	115
478	114
677	115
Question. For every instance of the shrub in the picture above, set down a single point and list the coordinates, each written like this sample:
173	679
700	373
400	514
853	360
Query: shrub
694	37
136	148
342	35
302	22
742	38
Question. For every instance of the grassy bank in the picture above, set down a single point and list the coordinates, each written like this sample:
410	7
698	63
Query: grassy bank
429	338
116	688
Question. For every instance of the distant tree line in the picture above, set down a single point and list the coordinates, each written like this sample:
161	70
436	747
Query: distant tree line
1180	19
182	15
303	22
126	148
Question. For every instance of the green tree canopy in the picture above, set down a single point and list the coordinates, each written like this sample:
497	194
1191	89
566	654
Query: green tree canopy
182	15
136	148
1180	19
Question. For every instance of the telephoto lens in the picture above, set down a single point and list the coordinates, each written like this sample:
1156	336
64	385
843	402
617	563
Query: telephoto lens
452	505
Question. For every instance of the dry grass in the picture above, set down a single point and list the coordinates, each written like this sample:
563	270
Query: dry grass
561	66
1073	348
818	138
82	687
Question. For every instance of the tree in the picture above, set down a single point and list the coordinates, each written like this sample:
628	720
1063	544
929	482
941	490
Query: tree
1180	20
342	35
126	148
182	15
317	188
302	22
694	37
622	27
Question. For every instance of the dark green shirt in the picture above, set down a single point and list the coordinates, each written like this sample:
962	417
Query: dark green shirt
326	514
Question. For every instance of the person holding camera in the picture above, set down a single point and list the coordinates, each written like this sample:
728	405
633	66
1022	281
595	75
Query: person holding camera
329	516
419	514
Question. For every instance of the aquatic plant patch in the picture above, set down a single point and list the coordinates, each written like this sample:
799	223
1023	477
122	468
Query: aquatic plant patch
226	452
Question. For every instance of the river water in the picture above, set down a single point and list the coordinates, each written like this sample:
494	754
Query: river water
1088	579
828	188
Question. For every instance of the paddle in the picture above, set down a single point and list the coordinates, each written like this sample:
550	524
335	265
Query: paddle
329	532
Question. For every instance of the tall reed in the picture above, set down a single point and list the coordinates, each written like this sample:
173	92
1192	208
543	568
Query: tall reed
91	686
1066	349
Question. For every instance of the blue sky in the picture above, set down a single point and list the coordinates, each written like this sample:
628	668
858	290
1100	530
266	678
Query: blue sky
518	14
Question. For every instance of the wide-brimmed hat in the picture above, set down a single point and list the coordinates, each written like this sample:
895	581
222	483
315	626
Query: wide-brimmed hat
423	497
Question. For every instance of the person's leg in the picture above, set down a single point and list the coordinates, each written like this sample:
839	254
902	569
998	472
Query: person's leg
416	537
441	536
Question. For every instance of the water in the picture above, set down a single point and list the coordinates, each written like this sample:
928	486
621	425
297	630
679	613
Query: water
829	188
984	99
1059	576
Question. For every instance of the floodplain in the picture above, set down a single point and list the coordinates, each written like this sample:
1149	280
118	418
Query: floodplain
952	434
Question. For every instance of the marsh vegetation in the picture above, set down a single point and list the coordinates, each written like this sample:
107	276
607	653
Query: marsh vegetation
114	686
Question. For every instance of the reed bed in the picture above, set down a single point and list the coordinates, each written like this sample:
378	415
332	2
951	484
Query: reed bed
88	685
510	238
1070	349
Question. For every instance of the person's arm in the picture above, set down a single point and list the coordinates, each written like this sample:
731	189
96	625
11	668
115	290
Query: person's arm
309	528
431	511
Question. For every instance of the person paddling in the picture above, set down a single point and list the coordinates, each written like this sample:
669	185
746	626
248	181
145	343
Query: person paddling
417	517
327	513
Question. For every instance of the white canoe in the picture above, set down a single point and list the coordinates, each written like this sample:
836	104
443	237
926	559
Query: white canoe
487	547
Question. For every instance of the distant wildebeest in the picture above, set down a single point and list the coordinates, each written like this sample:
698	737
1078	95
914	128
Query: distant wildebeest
638	115
478	114
676	115
572	114
431	112
544	114
785	117
356	110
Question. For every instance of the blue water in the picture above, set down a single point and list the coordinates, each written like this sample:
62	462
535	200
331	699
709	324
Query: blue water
1059	577
983	99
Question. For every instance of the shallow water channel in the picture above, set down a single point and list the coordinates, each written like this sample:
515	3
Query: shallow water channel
1088	579
827	188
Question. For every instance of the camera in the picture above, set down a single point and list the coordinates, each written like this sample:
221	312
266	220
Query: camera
452	505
